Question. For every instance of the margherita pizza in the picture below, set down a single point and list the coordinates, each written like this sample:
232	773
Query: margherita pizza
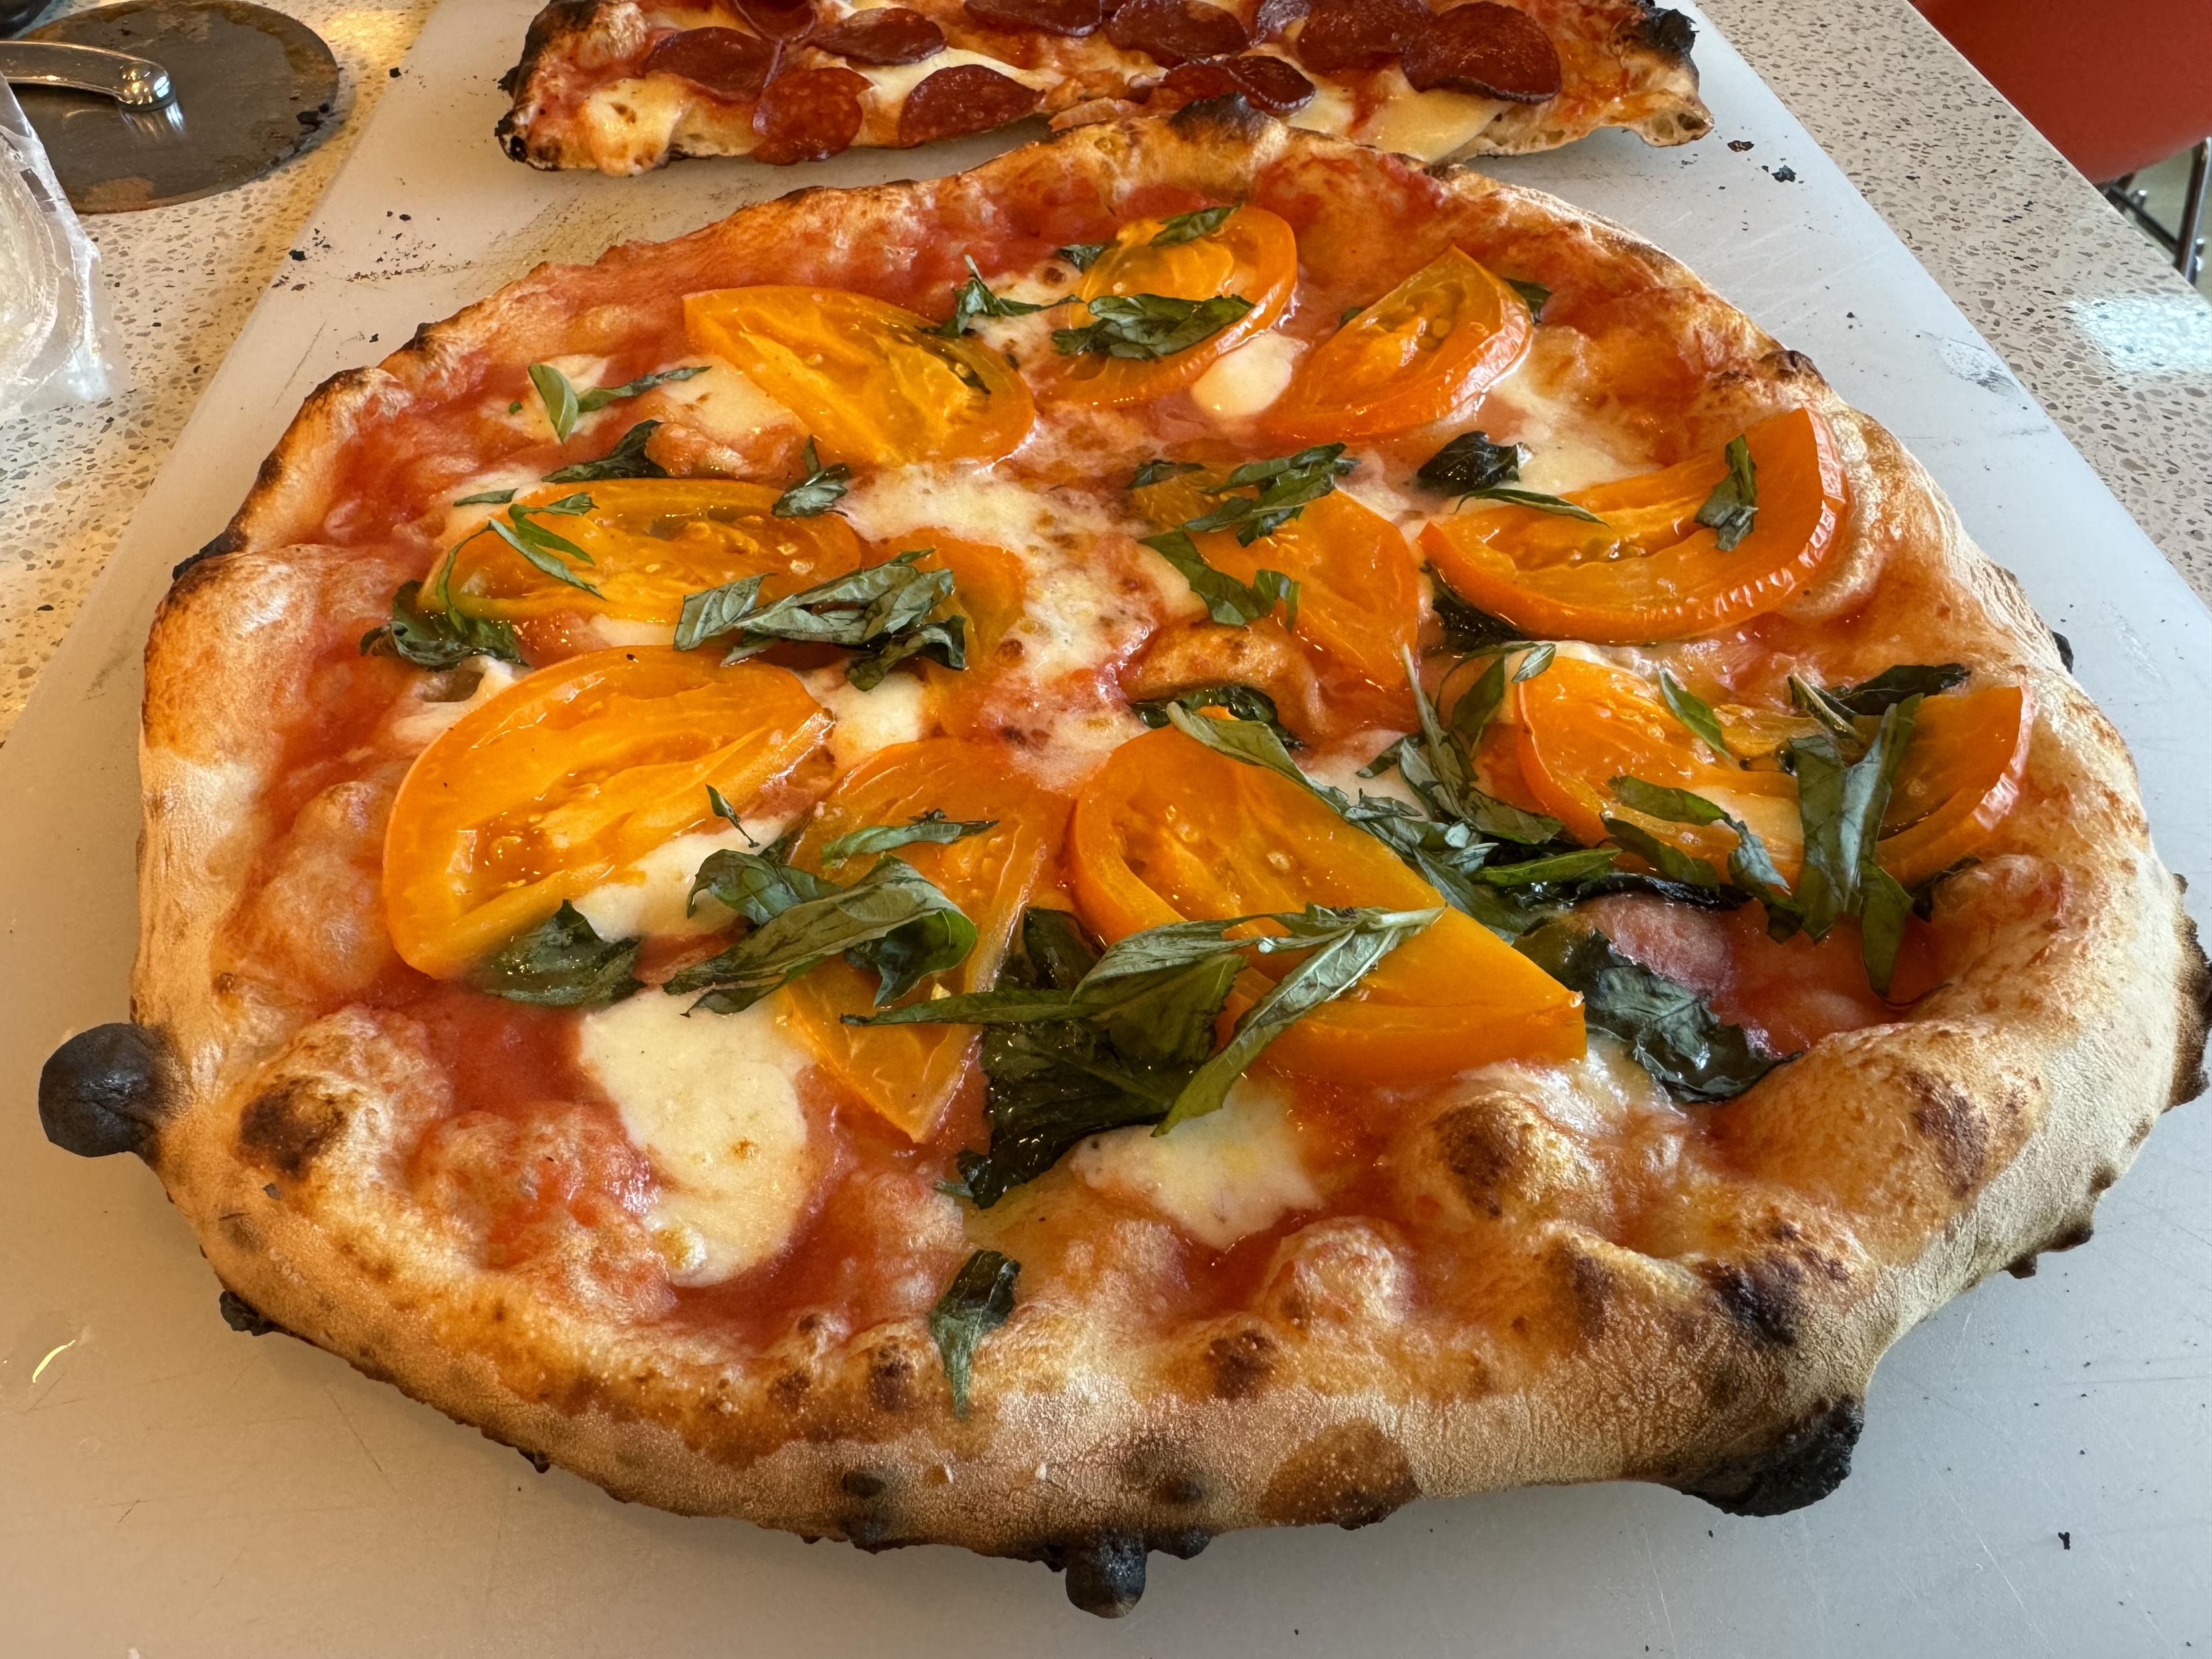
1197	830
626	85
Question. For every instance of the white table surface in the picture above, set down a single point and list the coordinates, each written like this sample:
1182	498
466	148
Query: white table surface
171	1488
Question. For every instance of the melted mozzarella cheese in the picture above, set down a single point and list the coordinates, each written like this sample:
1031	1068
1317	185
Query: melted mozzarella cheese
1330	110
419	723
723	404
896	711
647	899
1433	126
1338	767
1249	379
712	1100
629	122
1218	1178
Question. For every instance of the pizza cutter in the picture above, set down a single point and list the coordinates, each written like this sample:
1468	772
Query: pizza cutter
154	101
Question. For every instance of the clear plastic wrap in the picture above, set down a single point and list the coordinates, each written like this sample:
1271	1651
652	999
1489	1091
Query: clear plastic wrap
57	340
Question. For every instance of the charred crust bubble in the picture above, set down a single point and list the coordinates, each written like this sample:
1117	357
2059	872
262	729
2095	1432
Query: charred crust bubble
106	1091
1667	31
244	1317
286	1127
1808	1464
1763	1298
1106	1576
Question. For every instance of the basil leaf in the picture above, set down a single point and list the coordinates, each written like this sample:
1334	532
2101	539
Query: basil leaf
1346	945
599	397
1838	721
1883	907
1894	685
1730	510
716	612
1560	866
932	828
718	804
1471	462
1083	255
820	489
1285	488
562	407
1227	601
1468	630
487	498
1696	713
891	920
1243	702
545	550
1534	296
758	886
1531	498
439	639
1841	808
1155	472
1148	326
1189	227
626	459
979	1299
561	964
1247	741
1346	315
1676	805
1750	866
974	299
1672	863
1669	1028
1440	769
944	642
1055	949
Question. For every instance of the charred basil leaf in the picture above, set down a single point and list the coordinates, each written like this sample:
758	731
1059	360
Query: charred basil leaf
820	489
1468	630
439	639
1189	227
1470	463
561	964
1243	702
1669	1028
1730	510
1894	685
1148	326
1227	601
626	459
979	1300
932	828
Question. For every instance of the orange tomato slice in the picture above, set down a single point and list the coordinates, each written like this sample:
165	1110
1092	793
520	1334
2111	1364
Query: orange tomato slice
1649	571
1959	777
563	779
1423	352
652	542
909	1073
1580	725
991	589
1253	254
873	382
1359	591
1168	830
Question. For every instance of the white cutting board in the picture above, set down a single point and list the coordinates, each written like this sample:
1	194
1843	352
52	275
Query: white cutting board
170	1488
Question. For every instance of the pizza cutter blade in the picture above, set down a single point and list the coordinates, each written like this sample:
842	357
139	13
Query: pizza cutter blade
250	90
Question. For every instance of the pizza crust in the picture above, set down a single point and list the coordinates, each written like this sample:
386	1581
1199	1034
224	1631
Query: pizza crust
1882	1174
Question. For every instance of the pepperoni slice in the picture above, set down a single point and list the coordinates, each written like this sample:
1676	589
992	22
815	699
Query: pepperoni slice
778	22
728	63
1359	35
887	34
1274	18
1044	17
1176	31
965	98
1485	48
1191	84
808	115
1271	84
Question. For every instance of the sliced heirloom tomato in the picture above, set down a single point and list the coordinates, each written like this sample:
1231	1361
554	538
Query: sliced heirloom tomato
1960	775
1253	254
1580	725
874	383
563	779
909	1073
1648	571
1168	830
1423	352
651	541
1359	591
991	589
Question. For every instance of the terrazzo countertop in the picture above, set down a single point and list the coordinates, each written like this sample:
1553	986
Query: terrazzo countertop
2088	315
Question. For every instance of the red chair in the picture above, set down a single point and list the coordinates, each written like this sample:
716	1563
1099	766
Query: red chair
2116	85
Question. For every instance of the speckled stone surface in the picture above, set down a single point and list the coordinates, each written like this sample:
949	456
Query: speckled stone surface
2093	324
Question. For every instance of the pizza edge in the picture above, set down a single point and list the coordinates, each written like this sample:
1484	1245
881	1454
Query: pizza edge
1749	1387
1665	110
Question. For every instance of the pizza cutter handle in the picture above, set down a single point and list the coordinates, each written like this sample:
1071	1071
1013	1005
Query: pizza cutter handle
133	83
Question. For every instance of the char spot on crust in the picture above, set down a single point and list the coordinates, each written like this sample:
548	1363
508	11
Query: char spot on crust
1594	1287
1948	1120
243	1317
1353	1475
1106	1575
106	1091
1667	31
1764	1298
2073	1236
2023	1268
1479	1153
791	1389
1241	1362
862	1483
890	1379
286	1127
1810	1462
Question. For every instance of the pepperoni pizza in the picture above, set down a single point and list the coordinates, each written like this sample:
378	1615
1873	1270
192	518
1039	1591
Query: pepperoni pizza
626	85
1201	829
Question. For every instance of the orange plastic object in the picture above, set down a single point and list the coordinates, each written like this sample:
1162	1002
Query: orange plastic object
1168	830
909	1073
1423	352
559	780
1649	571
874	383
